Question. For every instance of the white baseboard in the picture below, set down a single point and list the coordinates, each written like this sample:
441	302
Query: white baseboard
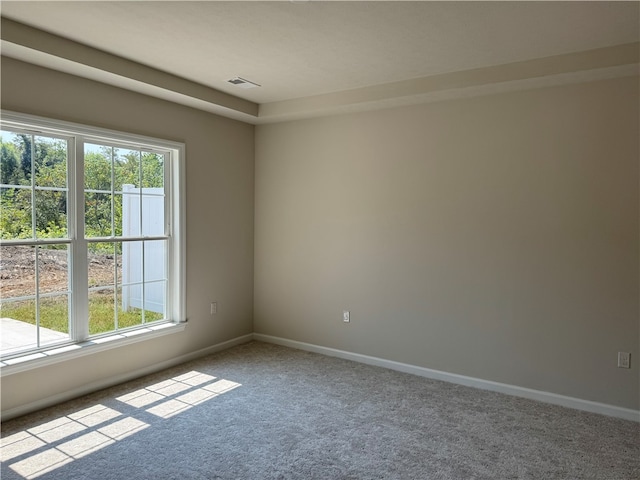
547	397
117	379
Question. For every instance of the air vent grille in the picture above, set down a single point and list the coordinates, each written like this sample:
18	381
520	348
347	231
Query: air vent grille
243	82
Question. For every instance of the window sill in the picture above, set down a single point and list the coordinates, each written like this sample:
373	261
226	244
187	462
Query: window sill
76	350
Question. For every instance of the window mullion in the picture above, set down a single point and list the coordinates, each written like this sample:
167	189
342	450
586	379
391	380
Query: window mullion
168	222
79	270
37	287
113	234
32	154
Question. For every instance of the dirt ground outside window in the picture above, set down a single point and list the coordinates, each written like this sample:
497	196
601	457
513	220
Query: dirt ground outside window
17	270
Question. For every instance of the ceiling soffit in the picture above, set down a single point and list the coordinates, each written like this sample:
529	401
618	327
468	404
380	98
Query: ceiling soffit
28	44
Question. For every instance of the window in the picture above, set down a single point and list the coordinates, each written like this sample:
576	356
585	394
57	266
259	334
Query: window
91	234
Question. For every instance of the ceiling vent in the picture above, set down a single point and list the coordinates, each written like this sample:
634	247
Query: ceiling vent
243	83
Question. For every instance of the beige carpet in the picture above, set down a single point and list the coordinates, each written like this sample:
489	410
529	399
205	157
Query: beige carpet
261	411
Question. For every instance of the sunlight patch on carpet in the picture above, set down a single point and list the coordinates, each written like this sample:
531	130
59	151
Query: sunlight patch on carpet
50	445
194	397
162	398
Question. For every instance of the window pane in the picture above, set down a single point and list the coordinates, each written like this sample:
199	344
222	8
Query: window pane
97	167
154	274
15	213
132	275
130	212
102	314
97	214
17	327
51	162
15	162
54	319
51	214
154	301
18	271
53	263
155	252
127	168
102	264
128	315
152	211
152	170
117	214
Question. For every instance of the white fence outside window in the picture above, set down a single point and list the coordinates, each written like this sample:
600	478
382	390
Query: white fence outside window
143	261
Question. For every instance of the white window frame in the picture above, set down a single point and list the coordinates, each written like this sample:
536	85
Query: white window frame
81	343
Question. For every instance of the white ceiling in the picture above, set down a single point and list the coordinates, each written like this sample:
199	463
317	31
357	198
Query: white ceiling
303	49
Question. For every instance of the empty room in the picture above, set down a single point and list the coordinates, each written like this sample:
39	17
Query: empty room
320	239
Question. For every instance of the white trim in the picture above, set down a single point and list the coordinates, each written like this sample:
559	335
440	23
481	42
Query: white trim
79	281
117	379
71	129
38	359
177	215
547	397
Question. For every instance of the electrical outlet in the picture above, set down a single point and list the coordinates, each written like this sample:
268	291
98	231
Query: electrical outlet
346	316
624	360
214	308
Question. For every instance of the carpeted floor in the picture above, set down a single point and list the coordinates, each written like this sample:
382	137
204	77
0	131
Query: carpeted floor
260	411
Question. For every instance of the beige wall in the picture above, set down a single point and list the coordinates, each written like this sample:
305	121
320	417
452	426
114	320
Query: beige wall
220	186
494	237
